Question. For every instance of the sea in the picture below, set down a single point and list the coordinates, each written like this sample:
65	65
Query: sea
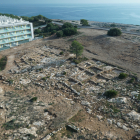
115	13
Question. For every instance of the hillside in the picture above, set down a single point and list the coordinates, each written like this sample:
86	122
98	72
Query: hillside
46	96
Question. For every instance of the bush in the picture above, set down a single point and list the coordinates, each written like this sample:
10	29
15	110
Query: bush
10	81
64	73
114	32
131	80
123	76
111	93
61	53
78	60
44	78
69	31
33	99
3	62
59	33
84	22
11	125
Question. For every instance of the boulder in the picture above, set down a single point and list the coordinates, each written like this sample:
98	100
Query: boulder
138	130
125	128
72	128
32	131
134	93
39	123
118	100
89	111
109	121
47	137
85	103
119	124
99	117
1	90
25	81
134	115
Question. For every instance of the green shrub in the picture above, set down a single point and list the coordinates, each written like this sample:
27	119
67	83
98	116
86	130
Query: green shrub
10	81
79	60
59	33
3	62
11	125
64	73
44	78
131	80
123	76
114	32
45	110
84	22
33	99
111	93
69	31
61	53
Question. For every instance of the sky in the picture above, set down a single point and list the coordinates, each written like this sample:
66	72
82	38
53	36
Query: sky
66	1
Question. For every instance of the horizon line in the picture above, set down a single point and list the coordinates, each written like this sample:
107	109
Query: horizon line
73	3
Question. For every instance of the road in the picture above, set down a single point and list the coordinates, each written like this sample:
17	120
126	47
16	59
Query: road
40	26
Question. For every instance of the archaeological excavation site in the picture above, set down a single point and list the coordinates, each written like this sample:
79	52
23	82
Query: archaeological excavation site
45	95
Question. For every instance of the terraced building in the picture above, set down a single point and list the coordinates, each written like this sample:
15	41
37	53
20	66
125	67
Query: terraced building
14	32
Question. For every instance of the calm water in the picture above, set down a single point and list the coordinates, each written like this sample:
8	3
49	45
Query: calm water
125	13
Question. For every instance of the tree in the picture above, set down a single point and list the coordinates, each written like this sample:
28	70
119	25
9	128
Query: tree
59	33
84	22
31	19
36	19
53	32
69	31
48	20
76	48
113	25
37	31
40	16
114	32
67	25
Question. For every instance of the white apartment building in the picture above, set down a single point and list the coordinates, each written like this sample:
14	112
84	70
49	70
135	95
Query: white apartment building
14	32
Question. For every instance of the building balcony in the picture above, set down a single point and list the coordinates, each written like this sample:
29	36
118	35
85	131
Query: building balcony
13	29
15	39
2	36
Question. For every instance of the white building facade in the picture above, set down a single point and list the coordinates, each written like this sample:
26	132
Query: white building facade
14	32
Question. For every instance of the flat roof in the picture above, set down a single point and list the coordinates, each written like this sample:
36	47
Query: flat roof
7	21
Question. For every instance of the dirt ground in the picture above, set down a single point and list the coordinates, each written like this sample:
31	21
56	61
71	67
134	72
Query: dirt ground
123	51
